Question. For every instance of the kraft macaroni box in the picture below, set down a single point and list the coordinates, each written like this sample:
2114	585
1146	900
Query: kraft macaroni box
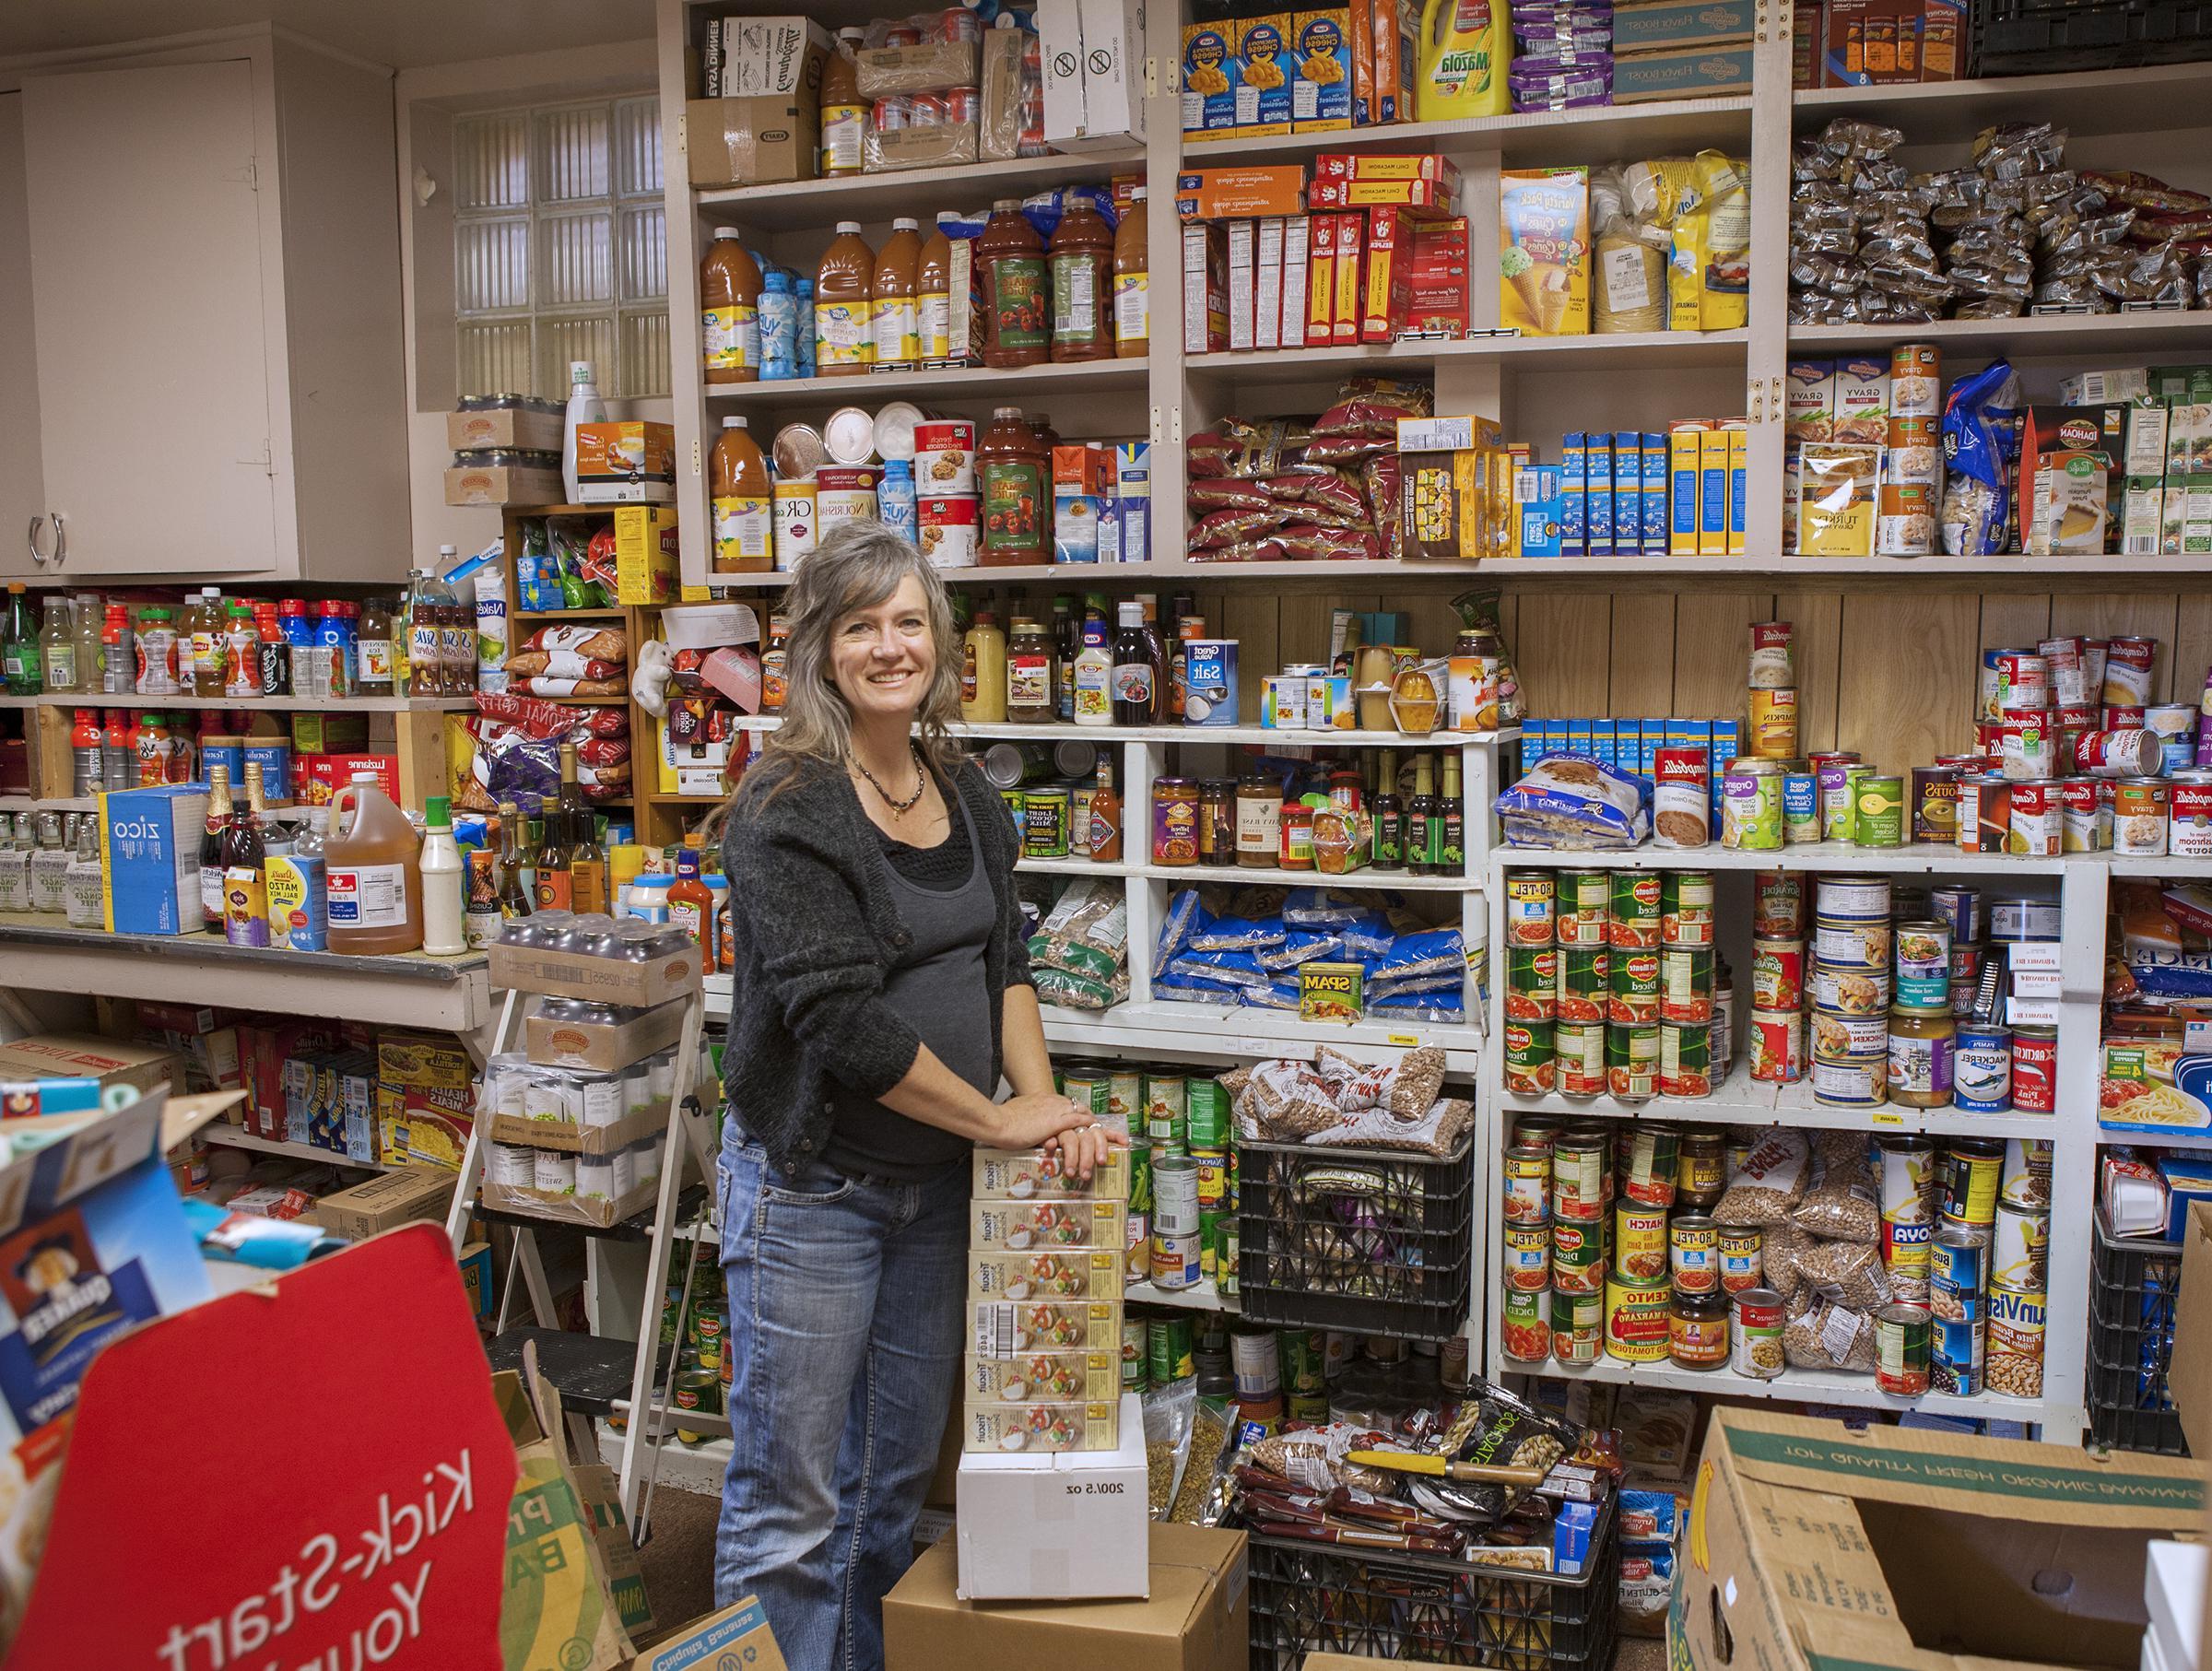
1265	64
1209	80
149	847
1654	494
1321	88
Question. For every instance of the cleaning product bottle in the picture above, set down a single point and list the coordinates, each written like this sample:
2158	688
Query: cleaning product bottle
444	921
372	862
1467	47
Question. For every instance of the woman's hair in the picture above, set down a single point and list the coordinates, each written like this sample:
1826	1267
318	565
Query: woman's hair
859	565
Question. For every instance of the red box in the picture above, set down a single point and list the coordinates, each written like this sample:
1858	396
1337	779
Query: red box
1083	469
262	1053
1439	305
1351	234
320	776
1378	194
1388	289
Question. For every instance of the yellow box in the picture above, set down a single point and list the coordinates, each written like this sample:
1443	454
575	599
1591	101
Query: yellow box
424	1062
646	567
1684	444
1739	445
1713	493
1544	251
1321	278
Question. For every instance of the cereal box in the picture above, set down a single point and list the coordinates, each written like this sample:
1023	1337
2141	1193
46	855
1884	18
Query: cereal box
1685	451
1320	91
1713	493
1544	251
1263	74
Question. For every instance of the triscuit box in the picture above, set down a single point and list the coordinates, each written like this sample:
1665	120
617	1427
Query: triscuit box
1809	1543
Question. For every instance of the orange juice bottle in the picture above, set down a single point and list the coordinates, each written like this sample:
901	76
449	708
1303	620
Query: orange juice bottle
843	345
844	111
744	507
372	865
892	299
933	292
729	310
1132	283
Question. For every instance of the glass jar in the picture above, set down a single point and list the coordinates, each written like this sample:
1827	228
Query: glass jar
1297	826
1259	822
1702	1172
1175	812
1923	1038
1217	821
1698	1331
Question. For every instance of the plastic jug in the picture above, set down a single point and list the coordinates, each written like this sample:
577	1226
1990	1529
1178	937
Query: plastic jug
1467	47
372	865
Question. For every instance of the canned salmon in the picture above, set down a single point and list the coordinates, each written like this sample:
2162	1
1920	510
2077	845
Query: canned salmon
1634	919
2020	1247
1584	978
1579	1056
1693	1254
1584	901
2035	1069
1638	1322
1778	905
1742	1265
1900	1350
1527	1184
1777	974
1530	908
1632	1063
1686	908
1645	1158
1639	1242
1528	1256
1577	1326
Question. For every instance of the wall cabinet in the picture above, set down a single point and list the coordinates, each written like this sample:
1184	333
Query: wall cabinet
201	288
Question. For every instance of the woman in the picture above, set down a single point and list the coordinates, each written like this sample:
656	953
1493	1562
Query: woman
882	987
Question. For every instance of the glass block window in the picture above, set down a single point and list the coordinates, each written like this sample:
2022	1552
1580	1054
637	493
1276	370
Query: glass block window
560	248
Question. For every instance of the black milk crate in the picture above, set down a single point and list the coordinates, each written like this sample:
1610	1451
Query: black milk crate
1391	1255
1309	1598
2132	1286
2047	37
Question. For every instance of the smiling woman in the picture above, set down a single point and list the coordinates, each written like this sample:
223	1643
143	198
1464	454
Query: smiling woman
881	991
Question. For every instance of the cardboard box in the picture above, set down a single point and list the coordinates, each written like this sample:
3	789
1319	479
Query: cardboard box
1376	193
747	142
1297	246
1321	280
1194	1619
103	1062
386	1202
1060	62
1438	305
1204	289
625	461
560	1611
149	848
1265	65
1398	30
595	1211
1209	80
1267	290
1646	25
604	1046
1690	72
1243	284
1056	1527
501	485
571	1137
1114	80
2189	1372
1810	1543
567	974
647	569
1351	238
774	57
1228	194
930	66
414	1129
523	426
1321	87
736	1635
1544	251
1432	166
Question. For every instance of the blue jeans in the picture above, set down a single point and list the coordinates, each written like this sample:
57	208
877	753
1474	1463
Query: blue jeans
845	1308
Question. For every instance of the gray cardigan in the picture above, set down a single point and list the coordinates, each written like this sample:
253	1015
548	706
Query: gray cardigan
814	929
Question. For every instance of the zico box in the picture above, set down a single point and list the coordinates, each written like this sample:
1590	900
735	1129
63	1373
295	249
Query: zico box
149	847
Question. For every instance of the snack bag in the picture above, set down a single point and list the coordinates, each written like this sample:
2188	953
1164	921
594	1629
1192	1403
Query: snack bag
1544	251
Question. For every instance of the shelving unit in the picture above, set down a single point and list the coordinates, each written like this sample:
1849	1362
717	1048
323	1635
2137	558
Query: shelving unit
231	1136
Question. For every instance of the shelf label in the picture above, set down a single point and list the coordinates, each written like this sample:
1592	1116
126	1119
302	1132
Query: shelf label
1410	1041
1888	1117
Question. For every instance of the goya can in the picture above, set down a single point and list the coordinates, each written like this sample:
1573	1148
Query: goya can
1900	1350
1686	908
1639	1242
1527	1184
1578	1255
1531	905
2020	1247
1577	1326
1685	1059
1583	908
1637	1322
1634	919
1525	1326
1532	983
1742	1265
1969	1177
1686	984
1908	1179
1580	1051
1632	987
1527	1257
1577	1178
1632	1063
1585	983
1693	1248
1529	1069
1644	1162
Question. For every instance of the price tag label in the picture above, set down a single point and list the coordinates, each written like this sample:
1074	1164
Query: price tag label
1410	1041
1888	1117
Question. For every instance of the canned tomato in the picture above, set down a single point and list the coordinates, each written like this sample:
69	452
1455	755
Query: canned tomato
2189	815
2035	1069
1935	801
1634	916
951	530
1584	907
1778	905
1527	1184
1742	1267
1686	984
1632	1063
1967	1177
1638	1322
1646	1158
2015	1359
1757	1334
1639	1242
1528	1256
1584	977
1577	1178
1778	1045
1697	1330
1693	1254
1924	963
2035	822
2020	1247
1529	908
1777	974
2139	811
1577	1326
1532	983
1525	1327
1900	1350
1685	1058
1580	1056
1528	1058
1632	987
945	456
1686	908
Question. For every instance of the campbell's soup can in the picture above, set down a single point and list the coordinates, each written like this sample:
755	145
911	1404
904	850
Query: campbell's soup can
2080	827
2133	753
2189	811
2139	814
951	531
2127	671
2035	823
945	456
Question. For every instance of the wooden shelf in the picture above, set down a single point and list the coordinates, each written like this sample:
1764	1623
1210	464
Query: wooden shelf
2072	335
612	613
249	704
2163	98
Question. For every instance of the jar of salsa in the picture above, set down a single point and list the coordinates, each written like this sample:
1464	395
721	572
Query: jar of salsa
1017	289
1297	851
1175	813
1698	1331
1014	475
1700	1170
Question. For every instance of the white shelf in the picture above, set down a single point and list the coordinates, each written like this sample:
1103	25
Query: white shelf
1202	1296
1592	134
249	704
232	1136
1641	350
2154	98
1793	569
1918	859
1241	1033
1052	732
1814	1387
2073	334
2176	1139
1072	867
800	204
1032	384
1198	876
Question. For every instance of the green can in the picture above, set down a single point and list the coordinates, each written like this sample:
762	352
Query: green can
1140	1177
1087	1090
1528	1057
699	1390
1585	902
1632	986
1305	1357
1128	1101
1313	1409
1210	1220
1532	981
1017	809
1221	1249
1168	1349
1167	1112
1632	1063
1136	1355
1878	811
1207	1114
1583	973
1213	1179
1044	816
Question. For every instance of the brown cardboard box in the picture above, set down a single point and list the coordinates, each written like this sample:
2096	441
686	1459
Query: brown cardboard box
1811	1544
569	1138
593	1210
531	430
501	485
1196	1621
568	974
88	1056
386	1202
604	1046
734	1635
749	141
2189	1375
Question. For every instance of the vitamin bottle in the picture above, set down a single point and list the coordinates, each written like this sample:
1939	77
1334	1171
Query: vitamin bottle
844	111
1017	289
983	671
373	865
729	310
932	293
892	296
1132	292
1082	264
843	344
744	504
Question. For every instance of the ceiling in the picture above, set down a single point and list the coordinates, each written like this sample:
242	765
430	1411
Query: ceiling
403	35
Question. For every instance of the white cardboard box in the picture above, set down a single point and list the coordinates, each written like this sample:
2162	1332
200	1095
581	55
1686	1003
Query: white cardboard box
1059	1528
1060	56
1113	82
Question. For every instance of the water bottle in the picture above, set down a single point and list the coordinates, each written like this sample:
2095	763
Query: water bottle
779	328
804	296
895	500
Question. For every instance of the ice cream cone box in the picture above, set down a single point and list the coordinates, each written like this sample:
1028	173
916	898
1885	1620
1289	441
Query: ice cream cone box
1544	251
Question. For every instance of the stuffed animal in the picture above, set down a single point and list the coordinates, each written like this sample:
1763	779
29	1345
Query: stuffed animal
649	678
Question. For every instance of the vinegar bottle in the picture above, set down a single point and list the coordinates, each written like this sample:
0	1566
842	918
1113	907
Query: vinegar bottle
373	864
891	296
729	310
444	925
1132	284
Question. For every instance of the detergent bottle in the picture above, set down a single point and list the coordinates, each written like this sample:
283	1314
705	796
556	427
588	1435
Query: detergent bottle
1467	47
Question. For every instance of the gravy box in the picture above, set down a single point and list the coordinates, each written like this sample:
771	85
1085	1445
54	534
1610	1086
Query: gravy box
1022	1226
1062	1274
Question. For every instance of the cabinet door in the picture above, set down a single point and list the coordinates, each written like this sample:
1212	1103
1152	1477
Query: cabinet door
22	494
147	282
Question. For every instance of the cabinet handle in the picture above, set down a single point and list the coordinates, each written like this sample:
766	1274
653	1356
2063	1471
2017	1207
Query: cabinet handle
37	555
60	540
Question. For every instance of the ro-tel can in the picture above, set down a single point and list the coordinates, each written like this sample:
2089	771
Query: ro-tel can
1684	984
1532	983
1800	808
1981	1070
2189	815
1878	812
1637	1321
1577	1326
1778	905
1167	1115
1751	807
1756	1337
1632	987
2127	672
1529	908
1778	1045
1584	907
1693	1254
1530	1064
1742	1264
1527	1256
1639	1241
1174	1195
2015	1358
1686	907
1578	1255
1526	1325
1584	978
1210	681
1900	1350
2020	1247
1908	1180
1685	1058
1635	913
1777	973
1968	1176
1924	963
2035	1069
945	456
1580	1056
2139	814
1578	1177
1934	805
1632	1063
1645	1157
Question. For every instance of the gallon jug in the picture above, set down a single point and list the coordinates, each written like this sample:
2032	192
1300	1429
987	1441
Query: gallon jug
373	868
1467	47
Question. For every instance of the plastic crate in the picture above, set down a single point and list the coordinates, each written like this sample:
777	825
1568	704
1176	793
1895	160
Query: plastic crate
2133	1286
1391	1255
2047	37
1308	1598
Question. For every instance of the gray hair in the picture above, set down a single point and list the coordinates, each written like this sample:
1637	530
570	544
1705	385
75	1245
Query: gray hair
859	565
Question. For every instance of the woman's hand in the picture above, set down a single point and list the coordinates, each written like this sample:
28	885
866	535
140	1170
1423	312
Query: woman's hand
1033	1120
1084	1150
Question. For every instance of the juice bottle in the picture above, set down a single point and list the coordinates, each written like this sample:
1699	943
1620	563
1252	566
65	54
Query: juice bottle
373	868
203	643
372	653
844	111
729	310
983	671
1131	285
1082	263
744	505
21	644
1014	474
892	296
157	652
842	345
242	654
933	292
1029	675
779	328
1017	289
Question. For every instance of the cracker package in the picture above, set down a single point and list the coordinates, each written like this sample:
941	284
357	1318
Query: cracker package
1544	251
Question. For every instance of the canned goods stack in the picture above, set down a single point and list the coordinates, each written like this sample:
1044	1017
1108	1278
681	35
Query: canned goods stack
699	1333
1181	1193
1613	987
1060	795
576	1143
